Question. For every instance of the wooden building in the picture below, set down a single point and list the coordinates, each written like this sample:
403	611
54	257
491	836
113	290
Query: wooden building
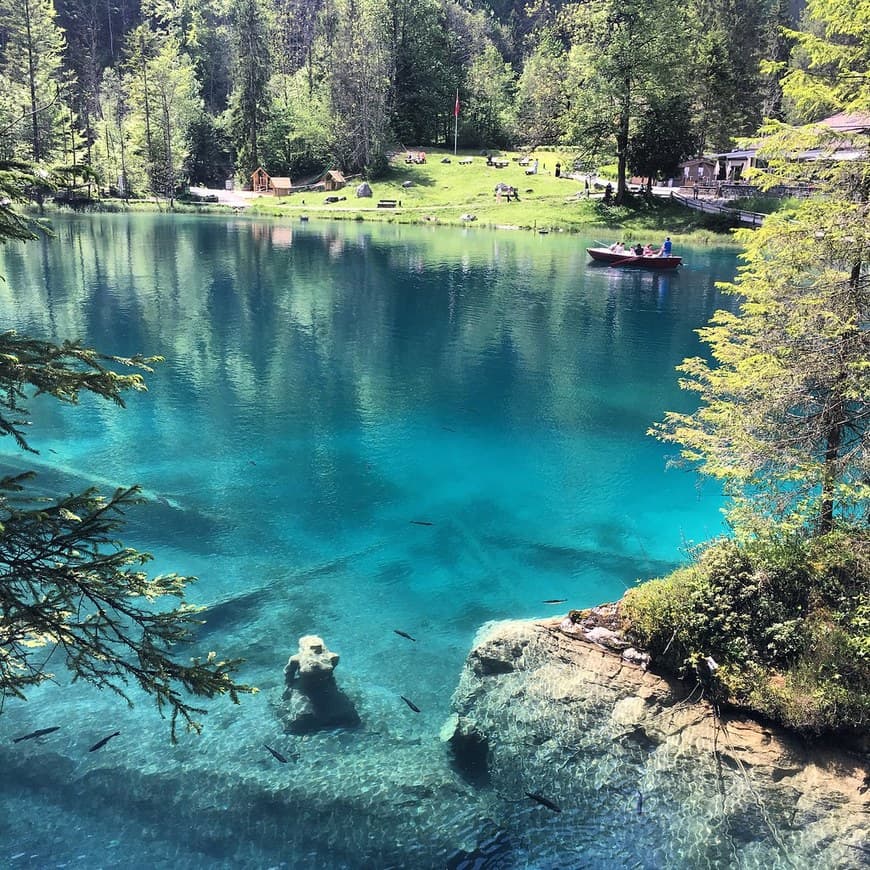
261	181
701	169
334	180
281	186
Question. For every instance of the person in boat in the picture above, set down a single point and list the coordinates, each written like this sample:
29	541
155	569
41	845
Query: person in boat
666	247
617	248
638	250
648	251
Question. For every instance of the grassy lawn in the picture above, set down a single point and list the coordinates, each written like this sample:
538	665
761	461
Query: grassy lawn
442	193
449	193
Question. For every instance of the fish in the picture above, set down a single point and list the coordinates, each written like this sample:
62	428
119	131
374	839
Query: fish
411	704
555	600
101	743
544	802
421	523
640	803
404	634
40	732
275	754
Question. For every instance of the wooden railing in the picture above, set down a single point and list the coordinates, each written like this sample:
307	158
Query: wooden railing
750	218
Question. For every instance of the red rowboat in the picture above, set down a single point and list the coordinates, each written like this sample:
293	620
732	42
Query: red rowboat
605	255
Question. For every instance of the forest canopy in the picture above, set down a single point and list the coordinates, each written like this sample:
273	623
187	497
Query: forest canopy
145	97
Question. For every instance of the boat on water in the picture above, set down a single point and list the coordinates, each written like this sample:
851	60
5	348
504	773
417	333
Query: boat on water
628	259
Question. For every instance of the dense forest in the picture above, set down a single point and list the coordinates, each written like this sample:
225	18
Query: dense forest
144	96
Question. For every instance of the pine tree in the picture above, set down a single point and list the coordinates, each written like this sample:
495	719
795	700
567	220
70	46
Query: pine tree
70	594
250	100
785	405
31	69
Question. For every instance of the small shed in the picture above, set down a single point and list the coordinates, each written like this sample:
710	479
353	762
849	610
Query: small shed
281	186
334	180
261	182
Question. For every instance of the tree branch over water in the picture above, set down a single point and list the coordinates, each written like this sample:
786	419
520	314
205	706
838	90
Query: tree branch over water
70	592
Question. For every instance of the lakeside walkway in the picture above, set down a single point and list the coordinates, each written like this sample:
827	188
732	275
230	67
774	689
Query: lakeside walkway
748	218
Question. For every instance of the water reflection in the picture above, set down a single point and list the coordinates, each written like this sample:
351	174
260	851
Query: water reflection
325	386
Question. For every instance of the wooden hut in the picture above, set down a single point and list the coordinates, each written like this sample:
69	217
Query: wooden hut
261	182
334	180
281	186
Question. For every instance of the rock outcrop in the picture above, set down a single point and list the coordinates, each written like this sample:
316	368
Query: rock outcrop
311	699
559	710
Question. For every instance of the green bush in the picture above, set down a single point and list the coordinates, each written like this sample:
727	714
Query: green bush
764	204
787	618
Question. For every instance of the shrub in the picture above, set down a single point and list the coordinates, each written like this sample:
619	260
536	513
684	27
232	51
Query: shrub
786	616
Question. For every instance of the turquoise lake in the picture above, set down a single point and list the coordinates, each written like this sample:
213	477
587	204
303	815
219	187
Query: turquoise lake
356	429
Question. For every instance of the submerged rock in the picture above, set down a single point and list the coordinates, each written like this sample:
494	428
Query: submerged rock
546	709
311	699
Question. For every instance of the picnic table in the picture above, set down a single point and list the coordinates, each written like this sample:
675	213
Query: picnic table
466	161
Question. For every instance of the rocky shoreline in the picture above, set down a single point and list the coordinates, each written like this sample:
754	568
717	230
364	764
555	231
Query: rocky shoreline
564	709
560	753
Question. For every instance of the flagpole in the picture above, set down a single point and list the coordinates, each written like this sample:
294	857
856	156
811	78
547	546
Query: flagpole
455	121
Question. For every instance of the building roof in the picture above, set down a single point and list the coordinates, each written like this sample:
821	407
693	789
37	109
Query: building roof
280	181
839	154
335	175
848	122
737	155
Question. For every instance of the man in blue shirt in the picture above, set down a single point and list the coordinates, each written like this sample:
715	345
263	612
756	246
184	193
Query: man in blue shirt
666	247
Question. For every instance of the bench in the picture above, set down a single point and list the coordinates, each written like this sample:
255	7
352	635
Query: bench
501	164
466	161
387	203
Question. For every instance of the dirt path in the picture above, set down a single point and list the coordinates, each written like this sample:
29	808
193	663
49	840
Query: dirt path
234	198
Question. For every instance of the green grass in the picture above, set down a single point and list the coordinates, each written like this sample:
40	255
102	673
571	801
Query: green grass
442	193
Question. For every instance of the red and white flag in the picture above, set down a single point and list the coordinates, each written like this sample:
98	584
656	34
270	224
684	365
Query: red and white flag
456	106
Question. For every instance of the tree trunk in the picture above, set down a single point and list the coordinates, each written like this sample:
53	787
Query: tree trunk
622	145
829	474
167	144
124	185
31	72
150	155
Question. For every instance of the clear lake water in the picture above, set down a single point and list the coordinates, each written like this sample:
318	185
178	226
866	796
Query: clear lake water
357	429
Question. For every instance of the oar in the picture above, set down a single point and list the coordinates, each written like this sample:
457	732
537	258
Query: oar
625	260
